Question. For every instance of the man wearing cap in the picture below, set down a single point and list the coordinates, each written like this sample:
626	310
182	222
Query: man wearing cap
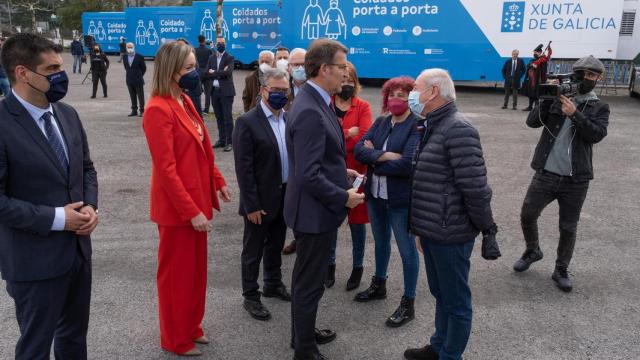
536	74
562	164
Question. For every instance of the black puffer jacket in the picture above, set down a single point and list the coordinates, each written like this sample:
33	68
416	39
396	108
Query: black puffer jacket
450	197
590	126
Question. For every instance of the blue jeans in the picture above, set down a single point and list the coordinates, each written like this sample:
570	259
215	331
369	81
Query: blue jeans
5	86
77	63
383	219
358	238
448	276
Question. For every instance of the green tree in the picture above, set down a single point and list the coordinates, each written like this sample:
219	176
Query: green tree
71	15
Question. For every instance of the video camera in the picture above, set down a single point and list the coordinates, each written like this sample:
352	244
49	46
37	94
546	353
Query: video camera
567	85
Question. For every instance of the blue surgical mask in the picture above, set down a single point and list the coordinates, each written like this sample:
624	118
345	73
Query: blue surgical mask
298	74
277	99
220	47
58	85
414	103
190	80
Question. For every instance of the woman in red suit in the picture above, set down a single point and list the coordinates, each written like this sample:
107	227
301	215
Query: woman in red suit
354	115
184	183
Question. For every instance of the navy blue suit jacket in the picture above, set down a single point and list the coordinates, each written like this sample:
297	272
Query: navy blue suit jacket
32	184
316	191
134	72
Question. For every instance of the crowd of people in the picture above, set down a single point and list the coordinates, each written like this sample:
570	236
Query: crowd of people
308	155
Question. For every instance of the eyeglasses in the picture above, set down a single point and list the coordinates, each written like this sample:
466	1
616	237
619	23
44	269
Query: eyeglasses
342	67
280	90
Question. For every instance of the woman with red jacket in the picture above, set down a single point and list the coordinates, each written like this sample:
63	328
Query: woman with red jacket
354	114
184	183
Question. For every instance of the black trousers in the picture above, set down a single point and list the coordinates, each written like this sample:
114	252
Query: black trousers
546	187
222	106
207	84
307	287
136	93
262	242
511	90
54	309
102	77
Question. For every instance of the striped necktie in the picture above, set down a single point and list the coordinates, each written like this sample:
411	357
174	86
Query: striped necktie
55	141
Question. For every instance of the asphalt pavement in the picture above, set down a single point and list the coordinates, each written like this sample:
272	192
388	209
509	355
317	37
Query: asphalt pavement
516	316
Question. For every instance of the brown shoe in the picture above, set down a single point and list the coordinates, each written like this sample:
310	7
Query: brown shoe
193	352
289	249
202	340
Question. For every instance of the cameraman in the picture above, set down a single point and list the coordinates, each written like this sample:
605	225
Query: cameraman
562	162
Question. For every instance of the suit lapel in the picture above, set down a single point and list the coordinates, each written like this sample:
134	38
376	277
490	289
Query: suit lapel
264	123
184	118
24	119
330	115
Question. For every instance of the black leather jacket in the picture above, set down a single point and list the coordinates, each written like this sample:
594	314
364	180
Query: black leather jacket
590	127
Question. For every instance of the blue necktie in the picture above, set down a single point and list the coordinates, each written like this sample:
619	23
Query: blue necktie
55	142
513	67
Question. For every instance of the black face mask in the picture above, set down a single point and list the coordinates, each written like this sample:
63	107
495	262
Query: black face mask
586	86
58	85
339	112
347	92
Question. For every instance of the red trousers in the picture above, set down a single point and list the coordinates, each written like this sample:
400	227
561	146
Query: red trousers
182	283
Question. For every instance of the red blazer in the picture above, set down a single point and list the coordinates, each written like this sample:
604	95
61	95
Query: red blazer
184	178
359	114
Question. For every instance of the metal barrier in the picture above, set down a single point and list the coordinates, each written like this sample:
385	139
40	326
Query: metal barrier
617	73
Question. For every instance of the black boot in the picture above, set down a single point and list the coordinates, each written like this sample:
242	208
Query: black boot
355	278
561	278
424	353
403	314
528	258
376	291
331	276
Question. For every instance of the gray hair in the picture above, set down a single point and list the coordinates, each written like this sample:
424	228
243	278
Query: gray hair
515	51
441	79
276	74
297	50
265	52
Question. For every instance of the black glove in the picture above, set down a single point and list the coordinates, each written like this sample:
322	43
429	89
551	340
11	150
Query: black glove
490	249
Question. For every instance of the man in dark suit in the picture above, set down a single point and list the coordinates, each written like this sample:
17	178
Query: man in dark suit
297	79
135	69
319	191
512	72
203	53
48	199
222	93
262	169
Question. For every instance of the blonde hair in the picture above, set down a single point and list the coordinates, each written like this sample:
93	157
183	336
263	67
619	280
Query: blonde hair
169	61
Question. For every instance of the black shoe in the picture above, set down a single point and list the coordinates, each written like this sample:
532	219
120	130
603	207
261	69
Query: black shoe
218	144
355	278
423	353
228	148
141	114
528	108
323	336
257	310
515	108
504	107
561	278
133	113
330	280
93	96
316	356
528	258
105	95
376	291
279	292
403	314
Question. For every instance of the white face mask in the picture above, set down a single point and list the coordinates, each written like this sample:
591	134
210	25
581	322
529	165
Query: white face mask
265	67
283	64
131	51
299	74
414	102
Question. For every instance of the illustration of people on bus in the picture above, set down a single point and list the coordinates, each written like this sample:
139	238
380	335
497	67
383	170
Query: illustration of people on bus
208	26
141	33
92	29
152	34
314	18
101	35
334	21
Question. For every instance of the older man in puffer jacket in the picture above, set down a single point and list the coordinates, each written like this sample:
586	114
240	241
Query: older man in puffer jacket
450	206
